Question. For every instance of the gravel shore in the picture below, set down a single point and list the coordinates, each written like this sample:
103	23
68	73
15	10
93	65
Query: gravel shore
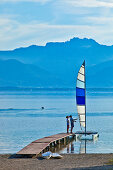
69	161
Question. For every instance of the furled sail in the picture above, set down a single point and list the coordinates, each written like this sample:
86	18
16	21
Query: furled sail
80	96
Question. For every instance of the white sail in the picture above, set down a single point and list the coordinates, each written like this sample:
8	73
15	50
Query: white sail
80	96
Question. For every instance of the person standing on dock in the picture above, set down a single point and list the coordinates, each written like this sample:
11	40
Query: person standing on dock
67	119
72	123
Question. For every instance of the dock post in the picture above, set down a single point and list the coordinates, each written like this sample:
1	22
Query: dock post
58	141
54	143
50	145
67	139
64	140
59	144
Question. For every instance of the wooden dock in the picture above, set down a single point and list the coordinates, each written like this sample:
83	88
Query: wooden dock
40	145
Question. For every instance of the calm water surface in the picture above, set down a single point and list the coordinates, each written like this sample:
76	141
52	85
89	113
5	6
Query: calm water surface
22	120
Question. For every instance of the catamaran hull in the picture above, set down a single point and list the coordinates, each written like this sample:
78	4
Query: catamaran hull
79	134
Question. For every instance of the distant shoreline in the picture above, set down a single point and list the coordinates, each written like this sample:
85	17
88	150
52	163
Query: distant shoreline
69	161
54	88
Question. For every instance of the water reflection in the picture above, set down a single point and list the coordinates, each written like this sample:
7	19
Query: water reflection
78	146
70	147
82	147
67	145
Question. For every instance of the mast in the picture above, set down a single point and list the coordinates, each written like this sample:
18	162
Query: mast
85	95
85	146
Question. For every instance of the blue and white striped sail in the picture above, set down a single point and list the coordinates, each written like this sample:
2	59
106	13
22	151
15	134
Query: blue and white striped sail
80	96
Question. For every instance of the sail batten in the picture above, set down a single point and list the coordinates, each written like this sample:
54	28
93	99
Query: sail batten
80	96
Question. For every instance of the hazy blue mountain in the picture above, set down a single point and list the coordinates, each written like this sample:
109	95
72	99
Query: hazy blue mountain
57	64
73	51
16	74
100	75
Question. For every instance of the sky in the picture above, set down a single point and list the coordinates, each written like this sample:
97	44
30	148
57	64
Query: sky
27	22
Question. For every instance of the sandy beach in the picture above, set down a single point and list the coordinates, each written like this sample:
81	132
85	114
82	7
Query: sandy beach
69	161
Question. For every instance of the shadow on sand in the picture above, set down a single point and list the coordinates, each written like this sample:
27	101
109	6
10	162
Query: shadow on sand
16	156
105	167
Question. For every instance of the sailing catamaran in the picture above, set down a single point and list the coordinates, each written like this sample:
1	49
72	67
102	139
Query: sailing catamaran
81	102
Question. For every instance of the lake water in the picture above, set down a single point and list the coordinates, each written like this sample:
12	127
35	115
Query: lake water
22	120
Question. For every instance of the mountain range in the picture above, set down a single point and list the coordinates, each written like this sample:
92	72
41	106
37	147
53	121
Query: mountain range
57	64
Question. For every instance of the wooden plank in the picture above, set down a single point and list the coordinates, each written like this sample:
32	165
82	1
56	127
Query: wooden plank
60	135
52	138
33	148
45	140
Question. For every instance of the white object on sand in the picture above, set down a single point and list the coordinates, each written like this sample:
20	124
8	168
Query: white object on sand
49	154
56	155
